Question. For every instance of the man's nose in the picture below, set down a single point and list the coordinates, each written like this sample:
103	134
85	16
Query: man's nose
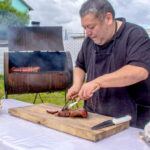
88	32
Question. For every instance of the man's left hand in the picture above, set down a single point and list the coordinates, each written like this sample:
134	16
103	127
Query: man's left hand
87	90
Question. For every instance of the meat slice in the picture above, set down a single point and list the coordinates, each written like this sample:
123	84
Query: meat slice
52	111
81	112
64	113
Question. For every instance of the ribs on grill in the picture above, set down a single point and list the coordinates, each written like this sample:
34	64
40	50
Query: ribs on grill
25	69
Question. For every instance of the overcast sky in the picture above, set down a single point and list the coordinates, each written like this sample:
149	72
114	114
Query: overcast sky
66	12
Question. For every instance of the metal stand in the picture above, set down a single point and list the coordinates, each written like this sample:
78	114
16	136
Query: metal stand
36	98
5	96
65	96
42	99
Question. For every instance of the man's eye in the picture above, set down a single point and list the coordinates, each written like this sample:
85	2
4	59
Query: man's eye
91	27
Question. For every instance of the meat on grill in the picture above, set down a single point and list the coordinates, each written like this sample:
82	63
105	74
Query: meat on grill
25	69
82	112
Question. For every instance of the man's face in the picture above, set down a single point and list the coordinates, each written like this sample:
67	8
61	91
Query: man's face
95	29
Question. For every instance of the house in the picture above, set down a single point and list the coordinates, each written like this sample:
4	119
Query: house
19	5
148	31
77	36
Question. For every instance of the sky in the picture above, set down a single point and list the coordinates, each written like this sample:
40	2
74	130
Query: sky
66	12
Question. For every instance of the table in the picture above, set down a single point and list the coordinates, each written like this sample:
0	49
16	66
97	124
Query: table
19	134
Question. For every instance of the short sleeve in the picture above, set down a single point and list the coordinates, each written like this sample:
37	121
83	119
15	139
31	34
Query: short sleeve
80	61
138	49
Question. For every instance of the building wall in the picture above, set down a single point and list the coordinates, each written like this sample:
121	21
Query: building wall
148	31
2	50
73	46
19	5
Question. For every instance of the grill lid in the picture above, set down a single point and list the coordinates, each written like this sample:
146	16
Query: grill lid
35	39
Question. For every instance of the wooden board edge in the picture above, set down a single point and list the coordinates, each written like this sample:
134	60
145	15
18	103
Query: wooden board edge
85	134
112	131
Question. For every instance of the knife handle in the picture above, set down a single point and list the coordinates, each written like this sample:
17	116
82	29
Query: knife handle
121	120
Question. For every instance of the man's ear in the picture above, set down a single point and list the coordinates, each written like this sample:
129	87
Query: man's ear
108	18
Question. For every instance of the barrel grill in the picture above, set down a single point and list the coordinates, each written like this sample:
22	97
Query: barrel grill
36	61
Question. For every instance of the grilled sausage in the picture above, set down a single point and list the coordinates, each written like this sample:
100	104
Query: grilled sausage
25	69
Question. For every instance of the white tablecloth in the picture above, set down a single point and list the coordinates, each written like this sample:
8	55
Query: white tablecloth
19	134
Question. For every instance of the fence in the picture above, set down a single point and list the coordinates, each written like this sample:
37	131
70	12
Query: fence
73	46
2	50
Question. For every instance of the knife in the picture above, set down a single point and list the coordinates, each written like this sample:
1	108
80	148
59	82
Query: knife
72	104
114	121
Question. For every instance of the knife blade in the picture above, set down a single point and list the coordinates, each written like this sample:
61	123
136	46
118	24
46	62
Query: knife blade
114	121
72	104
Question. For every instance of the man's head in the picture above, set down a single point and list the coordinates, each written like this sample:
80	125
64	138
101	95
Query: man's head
97	18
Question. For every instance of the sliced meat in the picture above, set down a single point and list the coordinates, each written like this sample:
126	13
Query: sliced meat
82	112
52	111
64	113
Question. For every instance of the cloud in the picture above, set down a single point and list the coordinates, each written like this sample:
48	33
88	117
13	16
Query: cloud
135	11
66	12
57	13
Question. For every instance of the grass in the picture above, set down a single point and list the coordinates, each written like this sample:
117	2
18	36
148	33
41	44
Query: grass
1	88
57	98
1	77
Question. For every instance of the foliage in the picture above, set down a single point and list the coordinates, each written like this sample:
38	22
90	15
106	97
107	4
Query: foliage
1	77
1	89
10	16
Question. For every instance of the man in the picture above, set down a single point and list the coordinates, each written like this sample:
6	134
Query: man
116	58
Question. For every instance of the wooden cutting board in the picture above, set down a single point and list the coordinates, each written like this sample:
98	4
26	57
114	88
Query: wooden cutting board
80	127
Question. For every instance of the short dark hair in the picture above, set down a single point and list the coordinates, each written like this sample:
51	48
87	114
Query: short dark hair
97	7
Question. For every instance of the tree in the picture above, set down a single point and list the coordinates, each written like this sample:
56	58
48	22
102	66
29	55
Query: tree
9	16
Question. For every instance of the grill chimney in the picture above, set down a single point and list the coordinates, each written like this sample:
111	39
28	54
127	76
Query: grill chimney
35	23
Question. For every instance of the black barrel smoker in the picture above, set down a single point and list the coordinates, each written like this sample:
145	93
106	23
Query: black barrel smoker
36	61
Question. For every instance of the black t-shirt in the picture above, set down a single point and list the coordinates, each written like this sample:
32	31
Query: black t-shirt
130	45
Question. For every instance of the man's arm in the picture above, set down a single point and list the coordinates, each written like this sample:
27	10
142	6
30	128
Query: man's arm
78	79
78	76
125	76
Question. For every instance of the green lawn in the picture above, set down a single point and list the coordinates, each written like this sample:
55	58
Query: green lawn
57	98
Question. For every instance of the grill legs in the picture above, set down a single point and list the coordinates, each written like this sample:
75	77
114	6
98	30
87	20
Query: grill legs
36	98
5	96
42	99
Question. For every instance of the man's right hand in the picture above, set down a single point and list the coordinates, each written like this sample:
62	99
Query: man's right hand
73	92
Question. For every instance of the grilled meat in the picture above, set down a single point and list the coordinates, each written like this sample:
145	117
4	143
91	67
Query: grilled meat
82	112
52	111
24	69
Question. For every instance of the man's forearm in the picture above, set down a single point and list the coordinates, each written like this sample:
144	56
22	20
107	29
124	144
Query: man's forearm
125	76
78	76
